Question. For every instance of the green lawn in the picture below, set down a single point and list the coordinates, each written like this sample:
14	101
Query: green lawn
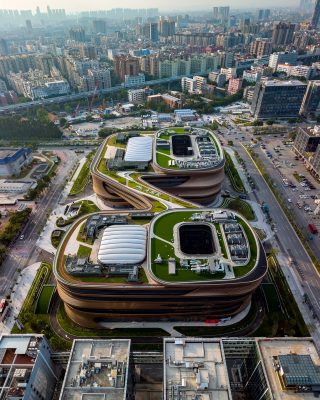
233	175
84	251
161	270
163	160
55	240
44	299
271	296
163	227
84	175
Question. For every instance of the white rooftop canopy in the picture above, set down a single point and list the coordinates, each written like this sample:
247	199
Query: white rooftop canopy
123	244
139	149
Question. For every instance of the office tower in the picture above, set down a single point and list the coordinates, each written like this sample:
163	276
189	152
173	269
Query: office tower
29	26
99	26
224	13
221	13
4	49
264	14
245	25
282	33
277	99
316	15
77	34
166	27
153	32
311	99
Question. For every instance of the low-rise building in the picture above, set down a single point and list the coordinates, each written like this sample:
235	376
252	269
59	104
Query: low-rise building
137	96
12	161
168	99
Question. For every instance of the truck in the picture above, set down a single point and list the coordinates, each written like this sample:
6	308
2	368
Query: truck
312	228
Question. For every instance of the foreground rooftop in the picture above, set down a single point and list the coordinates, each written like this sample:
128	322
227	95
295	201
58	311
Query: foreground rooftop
97	369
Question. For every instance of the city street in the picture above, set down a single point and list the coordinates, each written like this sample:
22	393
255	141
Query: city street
286	239
25	252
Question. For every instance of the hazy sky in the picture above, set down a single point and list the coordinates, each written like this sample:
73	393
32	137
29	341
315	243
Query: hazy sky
79	5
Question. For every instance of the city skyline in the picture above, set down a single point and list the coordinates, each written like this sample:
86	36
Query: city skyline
83	5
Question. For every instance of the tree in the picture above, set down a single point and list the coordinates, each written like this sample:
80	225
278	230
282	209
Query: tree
62	121
105	132
270	122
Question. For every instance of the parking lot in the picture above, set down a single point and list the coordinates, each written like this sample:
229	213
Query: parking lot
297	186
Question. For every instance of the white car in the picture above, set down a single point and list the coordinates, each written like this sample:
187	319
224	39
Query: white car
289	201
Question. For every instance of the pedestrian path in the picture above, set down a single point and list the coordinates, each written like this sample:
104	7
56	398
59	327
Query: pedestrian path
18	296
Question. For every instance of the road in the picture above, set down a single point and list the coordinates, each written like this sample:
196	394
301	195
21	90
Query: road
286	238
301	218
25	252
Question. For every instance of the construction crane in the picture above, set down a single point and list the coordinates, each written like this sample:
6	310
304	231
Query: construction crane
93	96
74	114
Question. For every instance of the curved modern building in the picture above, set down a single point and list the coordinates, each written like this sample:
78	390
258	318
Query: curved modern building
187	264
186	163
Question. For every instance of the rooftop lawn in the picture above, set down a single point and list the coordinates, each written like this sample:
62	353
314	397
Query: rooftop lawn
163	160
84	251
163	228
161	271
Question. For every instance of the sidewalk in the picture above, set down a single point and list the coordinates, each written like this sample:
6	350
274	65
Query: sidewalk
298	293
44	241
260	222
18	296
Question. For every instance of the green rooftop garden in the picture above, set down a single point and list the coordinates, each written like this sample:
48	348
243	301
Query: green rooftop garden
163	156
162	243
